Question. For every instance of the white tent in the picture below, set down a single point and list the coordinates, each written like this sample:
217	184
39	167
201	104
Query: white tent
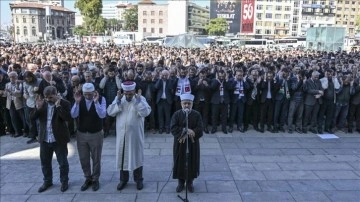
185	41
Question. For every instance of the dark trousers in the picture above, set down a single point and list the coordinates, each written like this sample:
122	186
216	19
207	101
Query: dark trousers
18	119
354	114
164	109
203	108
280	112
138	176
310	116
219	110
150	120
237	113
46	154
2	118
326	113
90	145
340	115
266	113
296	110
33	132
108	122
252	113
9	126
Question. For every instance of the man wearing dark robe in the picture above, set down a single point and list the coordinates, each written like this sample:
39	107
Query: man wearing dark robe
194	132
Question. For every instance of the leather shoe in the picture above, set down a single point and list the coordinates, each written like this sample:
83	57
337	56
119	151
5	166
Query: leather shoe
298	130
168	131
230	130
32	140
350	130
206	131
190	188
213	131
224	131
86	185
139	185
121	185
161	131
180	187
95	185
44	187
64	186
261	130
313	130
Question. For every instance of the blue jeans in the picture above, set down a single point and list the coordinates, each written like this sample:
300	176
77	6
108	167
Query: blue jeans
46	153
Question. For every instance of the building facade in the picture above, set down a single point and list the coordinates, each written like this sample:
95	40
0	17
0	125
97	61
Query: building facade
49	2
33	22
347	11
109	11
153	18
198	18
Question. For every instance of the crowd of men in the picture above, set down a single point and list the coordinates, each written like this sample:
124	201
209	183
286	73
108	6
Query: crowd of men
286	91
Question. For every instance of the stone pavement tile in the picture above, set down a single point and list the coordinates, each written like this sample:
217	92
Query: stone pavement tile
147	197
23	177
310	185
266	196
295	152
228	145
316	145
289	175
216	167
15	188
249	145
313	158
234	158
230	139
317	151
247	186
14	198
149	187
104	197
280	145
270	159
161	145
355	165
155	139
343	151
209	139
258	139
201	197
356	138
166	152
343	195
51	198
286	140
207	151
343	175
274	185
347	158
266	166
210	145
346	185
315	166
150	152
310	196
235	151
310	139
215	176
221	186
213	159
265	152
247	175
241	166
155	176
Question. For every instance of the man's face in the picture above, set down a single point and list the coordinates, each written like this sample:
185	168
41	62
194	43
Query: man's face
89	95
221	76
111	74
239	76
315	76
50	99
186	104
12	78
328	74
285	74
88	77
129	95
183	73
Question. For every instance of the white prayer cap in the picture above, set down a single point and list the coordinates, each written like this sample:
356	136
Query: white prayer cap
186	96
128	86
91	67
88	88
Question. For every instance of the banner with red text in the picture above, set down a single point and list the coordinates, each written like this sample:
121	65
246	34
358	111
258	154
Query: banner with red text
247	16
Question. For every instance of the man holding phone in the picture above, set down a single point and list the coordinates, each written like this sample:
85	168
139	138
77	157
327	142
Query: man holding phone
89	108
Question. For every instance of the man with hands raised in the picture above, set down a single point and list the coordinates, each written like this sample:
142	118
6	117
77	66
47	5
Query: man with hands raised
90	109
130	109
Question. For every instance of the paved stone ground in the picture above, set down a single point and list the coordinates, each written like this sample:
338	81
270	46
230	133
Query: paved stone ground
234	167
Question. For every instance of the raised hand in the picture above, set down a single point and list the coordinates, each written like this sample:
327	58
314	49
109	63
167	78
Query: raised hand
39	102
57	102
119	95
96	97
138	95
77	97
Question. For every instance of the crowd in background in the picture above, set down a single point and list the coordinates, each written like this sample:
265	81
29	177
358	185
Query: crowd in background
286	91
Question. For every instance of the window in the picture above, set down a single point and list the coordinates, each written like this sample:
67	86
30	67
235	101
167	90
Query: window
144	29
268	15
269	7
258	23
24	19
287	8
287	16
259	16
353	9
144	13
33	20
259	7
258	31
144	21
152	21
17	30
33	31
152	12
278	8
17	20
277	16
152	30
267	31
25	31
160	30
161	13
160	21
